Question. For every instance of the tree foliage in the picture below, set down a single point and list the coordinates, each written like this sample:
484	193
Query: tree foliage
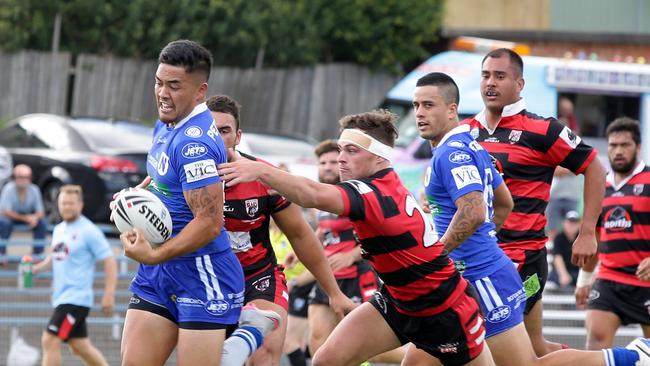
382	34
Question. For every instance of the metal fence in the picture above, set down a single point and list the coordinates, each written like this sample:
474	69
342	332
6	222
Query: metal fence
301	100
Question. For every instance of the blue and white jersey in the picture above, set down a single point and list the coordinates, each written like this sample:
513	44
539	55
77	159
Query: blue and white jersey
76	246
460	166
182	158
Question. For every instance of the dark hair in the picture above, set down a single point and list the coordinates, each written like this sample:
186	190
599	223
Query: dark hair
624	124
326	146
446	85
189	54
515	59
379	124
224	104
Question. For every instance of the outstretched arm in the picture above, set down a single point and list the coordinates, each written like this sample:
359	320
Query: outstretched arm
470	214
310	252
299	190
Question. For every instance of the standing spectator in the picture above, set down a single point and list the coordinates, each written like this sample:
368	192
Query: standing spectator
567	272
21	203
565	114
76	245
563	199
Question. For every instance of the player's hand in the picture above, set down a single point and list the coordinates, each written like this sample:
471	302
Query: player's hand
240	171
565	279
581	294
290	260
137	247
340	260
108	301
643	270
145	183
341	304
585	247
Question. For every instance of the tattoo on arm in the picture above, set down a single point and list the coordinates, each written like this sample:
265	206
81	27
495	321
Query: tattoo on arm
202	202
469	216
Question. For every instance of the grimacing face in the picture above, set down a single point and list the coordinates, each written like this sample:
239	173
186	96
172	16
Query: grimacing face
328	167
500	84
227	127
622	151
354	162
177	92
432	113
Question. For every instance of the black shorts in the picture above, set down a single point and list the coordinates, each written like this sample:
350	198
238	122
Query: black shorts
532	266
454	336
138	303
269	285
359	289
69	321
630	303
299	299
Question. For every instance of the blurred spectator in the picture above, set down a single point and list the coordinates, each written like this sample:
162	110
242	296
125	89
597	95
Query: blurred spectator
566	271
76	245
565	114
21	203
565	191
6	163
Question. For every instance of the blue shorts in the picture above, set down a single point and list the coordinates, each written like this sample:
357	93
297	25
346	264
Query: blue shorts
502	299
204	289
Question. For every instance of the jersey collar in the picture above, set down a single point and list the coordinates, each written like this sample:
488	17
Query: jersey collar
454	131
509	110
610	177
199	108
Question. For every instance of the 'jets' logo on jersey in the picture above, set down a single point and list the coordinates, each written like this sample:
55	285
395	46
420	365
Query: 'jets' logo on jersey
163	164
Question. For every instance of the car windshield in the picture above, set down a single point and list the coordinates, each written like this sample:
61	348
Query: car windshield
119	135
264	145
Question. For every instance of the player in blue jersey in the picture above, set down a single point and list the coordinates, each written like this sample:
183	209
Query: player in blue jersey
467	198
189	291
76	245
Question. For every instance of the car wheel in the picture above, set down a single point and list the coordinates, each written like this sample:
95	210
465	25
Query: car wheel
50	196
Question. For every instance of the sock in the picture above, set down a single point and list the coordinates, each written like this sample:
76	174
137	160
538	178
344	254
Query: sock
240	345
297	358
620	356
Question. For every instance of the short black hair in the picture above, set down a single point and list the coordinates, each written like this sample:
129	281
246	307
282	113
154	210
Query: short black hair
624	124
514	57
189	54
446	85
224	104
326	146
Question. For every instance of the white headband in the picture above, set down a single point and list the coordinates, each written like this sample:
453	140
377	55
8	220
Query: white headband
366	142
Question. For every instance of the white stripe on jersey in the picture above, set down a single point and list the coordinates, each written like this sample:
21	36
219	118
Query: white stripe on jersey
493	291
484	295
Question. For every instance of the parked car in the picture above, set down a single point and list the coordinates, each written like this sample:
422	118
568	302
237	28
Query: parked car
297	153
101	155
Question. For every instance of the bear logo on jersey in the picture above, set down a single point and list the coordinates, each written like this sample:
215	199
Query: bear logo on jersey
617	219
252	206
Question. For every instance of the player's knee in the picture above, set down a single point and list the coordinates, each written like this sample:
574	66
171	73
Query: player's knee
49	341
79	348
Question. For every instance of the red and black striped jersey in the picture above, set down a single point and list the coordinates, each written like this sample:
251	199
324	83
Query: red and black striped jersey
624	227
401	245
526	149
338	237
247	213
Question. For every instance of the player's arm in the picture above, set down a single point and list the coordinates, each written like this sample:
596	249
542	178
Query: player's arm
503	205
310	252
42	266
470	214
299	190
586	245
108	300
206	204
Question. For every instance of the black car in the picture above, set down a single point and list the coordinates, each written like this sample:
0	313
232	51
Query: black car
101	155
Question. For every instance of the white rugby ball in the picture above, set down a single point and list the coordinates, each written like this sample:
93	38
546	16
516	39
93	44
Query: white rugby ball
139	208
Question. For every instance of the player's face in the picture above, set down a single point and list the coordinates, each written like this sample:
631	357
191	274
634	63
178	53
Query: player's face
70	206
500	84
328	168
177	92
355	162
433	115
622	151
227	127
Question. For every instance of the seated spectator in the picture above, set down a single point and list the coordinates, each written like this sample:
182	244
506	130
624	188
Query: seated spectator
21	203
567	272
